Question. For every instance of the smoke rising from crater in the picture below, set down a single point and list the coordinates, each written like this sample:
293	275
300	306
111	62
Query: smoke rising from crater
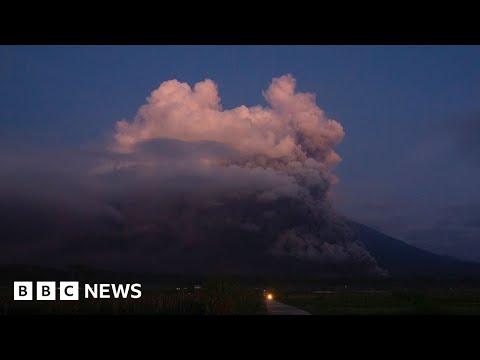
272	156
187	185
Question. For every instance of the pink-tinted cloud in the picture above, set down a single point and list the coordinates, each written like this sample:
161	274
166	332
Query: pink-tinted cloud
293	127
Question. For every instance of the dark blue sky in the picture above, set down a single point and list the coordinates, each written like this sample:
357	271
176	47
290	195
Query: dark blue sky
411	153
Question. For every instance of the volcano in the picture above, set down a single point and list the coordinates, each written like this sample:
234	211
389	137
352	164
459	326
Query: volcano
244	255
188	187
248	251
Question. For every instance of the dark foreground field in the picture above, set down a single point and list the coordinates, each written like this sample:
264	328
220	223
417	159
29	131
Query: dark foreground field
387	302
215	298
243	295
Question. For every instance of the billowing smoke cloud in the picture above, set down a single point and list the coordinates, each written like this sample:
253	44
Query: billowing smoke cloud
189	186
294	128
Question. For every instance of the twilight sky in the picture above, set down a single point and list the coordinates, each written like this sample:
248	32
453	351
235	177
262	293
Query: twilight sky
411	152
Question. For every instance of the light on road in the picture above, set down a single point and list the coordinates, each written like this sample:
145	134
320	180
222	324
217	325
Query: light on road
270	297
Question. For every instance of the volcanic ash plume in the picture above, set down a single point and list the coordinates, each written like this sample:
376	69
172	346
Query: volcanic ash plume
187	186
264	172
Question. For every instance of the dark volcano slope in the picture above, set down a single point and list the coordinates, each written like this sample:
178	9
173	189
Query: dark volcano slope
244	255
402	259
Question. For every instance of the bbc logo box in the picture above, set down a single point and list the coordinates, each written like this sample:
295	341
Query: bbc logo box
69	290
45	290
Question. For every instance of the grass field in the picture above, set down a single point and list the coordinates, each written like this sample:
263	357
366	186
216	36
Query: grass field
218	297
387	302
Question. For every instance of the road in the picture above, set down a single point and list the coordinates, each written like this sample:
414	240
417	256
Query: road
276	308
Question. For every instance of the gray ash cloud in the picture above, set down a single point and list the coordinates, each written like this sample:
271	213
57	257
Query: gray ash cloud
188	186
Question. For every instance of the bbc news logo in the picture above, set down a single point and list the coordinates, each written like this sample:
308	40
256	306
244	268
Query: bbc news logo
70	290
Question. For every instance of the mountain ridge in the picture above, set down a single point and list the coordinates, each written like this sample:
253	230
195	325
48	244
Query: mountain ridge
402	259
